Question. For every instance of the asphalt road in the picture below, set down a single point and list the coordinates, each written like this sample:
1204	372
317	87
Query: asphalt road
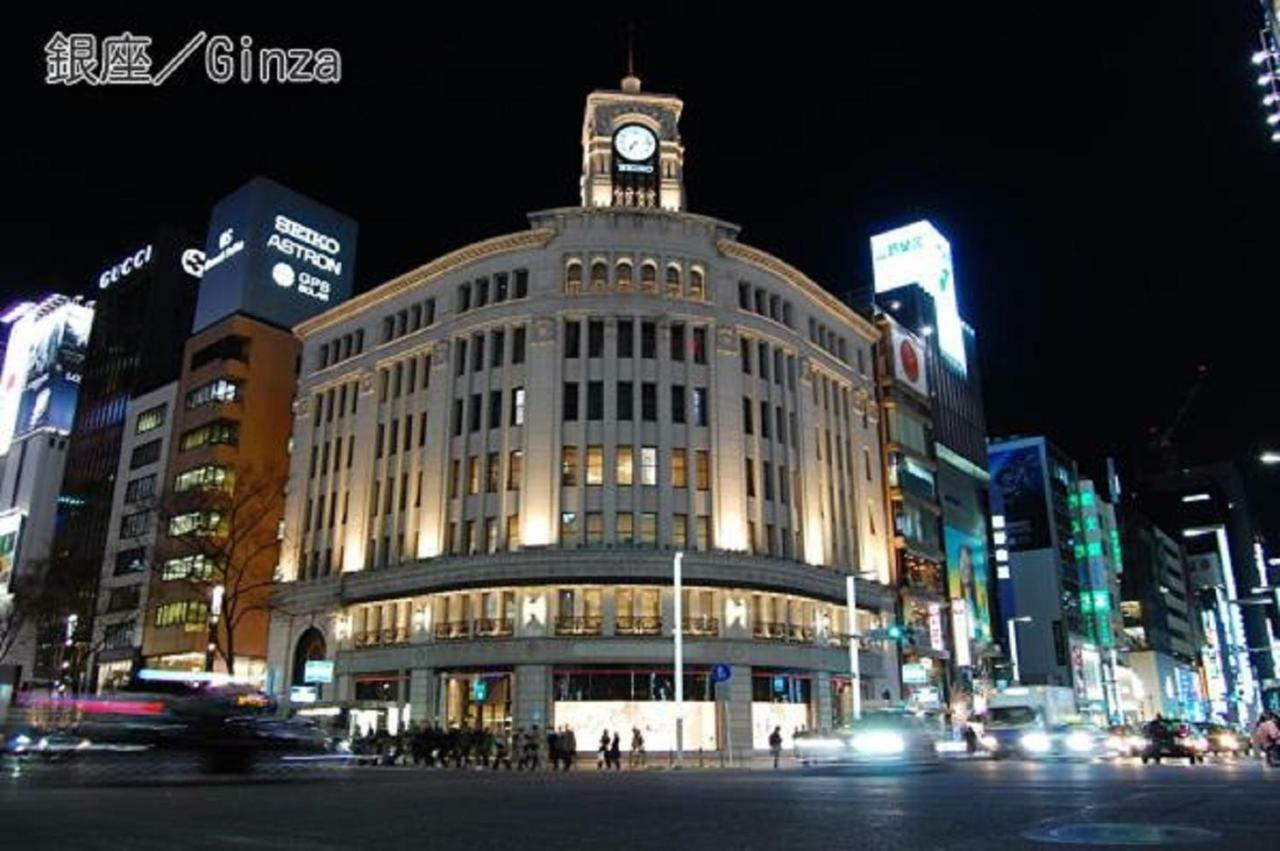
964	805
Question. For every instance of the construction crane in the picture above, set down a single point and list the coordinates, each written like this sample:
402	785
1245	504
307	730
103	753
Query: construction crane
1160	446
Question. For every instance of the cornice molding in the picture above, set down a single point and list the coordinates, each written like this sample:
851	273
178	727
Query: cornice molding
483	250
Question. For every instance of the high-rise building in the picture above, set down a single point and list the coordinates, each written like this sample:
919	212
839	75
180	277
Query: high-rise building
145	299
915	285
501	459
273	257
1161	621
43	369
1209	507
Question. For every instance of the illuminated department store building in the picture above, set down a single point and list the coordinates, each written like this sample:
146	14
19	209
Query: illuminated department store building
496	456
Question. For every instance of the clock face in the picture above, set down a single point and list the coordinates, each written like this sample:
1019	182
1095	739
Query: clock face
634	142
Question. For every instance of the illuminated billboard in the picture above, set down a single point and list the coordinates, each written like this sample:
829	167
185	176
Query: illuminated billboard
10	537
968	582
1018	494
918	254
43	366
907	359
275	255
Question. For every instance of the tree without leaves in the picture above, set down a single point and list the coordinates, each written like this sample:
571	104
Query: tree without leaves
230	530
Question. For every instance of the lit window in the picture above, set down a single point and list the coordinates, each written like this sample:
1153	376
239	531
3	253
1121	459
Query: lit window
595	465
625	466
649	465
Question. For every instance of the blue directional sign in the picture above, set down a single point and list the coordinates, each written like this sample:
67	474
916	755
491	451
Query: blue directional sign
720	674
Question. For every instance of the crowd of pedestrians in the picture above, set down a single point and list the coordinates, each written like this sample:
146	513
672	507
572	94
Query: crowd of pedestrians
519	749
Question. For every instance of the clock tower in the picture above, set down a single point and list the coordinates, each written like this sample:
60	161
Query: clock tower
631	150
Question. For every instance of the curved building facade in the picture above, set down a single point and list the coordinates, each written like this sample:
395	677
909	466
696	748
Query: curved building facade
497	455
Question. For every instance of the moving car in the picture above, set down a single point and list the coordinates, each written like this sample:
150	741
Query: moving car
882	737
1172	738
1062	741
1123	741
1223	740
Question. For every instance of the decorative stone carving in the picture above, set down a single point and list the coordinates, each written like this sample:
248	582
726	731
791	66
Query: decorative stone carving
544	330
366	382
726	340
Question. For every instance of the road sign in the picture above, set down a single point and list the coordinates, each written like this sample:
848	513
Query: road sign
720	673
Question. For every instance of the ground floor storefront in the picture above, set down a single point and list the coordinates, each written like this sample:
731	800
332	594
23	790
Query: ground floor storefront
736	714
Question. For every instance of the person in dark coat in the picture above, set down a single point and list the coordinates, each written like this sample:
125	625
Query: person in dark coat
615	752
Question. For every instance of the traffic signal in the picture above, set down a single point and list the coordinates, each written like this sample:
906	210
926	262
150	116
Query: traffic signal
897	632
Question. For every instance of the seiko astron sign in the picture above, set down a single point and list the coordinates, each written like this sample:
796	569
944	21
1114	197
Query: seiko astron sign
276	255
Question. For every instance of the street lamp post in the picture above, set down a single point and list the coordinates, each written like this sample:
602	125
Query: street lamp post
1013	644
855	642
678	634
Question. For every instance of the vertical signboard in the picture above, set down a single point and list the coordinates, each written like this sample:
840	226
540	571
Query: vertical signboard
275	255
918	254
43	366
968	583
10	538
1018	494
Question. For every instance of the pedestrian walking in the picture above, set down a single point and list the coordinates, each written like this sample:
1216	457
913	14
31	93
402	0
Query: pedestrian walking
1266	738
615	751
570	747
775	745
553	748
637	748
602	758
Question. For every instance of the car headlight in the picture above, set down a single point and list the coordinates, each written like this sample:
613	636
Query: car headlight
821	744
1079	742
1036	742
879	743
1226	740
1138	742
990	742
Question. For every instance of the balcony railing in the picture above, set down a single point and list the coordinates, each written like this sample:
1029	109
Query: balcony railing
381	637
446	630
768	629
702	625
569	625
492	627
638	625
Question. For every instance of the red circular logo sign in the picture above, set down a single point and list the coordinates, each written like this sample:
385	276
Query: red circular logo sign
910	361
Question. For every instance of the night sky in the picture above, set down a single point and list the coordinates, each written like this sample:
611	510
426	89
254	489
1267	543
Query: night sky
1104	174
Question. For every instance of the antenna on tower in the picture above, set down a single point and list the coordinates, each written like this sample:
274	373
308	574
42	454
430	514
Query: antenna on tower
631	83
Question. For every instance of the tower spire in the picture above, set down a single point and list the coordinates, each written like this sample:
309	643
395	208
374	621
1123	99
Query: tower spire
631	83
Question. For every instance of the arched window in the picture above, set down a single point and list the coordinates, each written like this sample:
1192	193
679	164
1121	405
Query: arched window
599	275
573	277
311	647
624	275
697	287
674	284
648	275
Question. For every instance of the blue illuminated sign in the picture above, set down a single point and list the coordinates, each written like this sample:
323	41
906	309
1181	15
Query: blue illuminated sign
275	255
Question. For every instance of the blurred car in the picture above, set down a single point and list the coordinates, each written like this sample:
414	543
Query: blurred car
1064	741
228	725
882	737
1222	740
51	746
1123	741
1172	738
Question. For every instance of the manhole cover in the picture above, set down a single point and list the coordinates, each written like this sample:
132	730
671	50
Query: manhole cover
1119	833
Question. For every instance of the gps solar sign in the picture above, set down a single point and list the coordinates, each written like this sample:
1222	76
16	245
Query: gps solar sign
276	255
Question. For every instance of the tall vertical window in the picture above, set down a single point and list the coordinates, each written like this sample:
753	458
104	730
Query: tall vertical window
517	346
572	338
679	468
492	472
497	348
568	466
677	342
626	338
649	465
569	412
750	468
678	405
595	338
649	401
648	340
595	464
744	350
700	345
626	401
517	406
595	400
699	406
748	418
473	475
624	466
702	469
495	408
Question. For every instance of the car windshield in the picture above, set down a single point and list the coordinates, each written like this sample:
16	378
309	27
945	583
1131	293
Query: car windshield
1010	716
